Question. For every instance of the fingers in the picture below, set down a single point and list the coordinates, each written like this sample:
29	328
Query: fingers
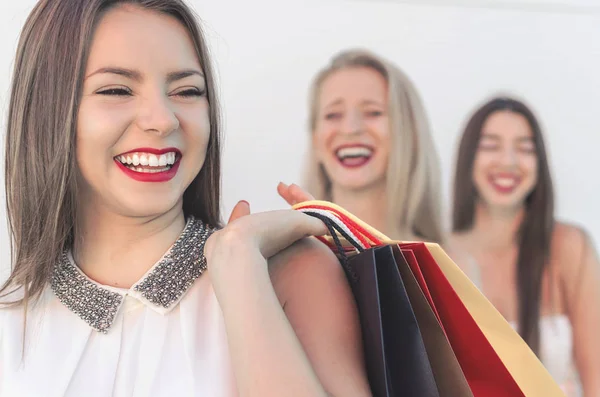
279	229
242	208
293	194
284	192
299	194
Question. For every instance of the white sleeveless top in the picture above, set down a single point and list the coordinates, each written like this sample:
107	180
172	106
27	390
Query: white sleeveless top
556	352
556	344
164	336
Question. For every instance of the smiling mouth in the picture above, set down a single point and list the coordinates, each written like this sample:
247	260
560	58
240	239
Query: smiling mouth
144	162
505	183
354	156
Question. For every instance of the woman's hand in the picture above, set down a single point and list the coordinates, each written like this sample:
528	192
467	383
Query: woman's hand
251	239
293	332
269	232
293	194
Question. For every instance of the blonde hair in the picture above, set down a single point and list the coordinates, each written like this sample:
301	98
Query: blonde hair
413	173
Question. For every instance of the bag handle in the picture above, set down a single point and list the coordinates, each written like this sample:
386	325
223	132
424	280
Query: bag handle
362	232
343	227
335	226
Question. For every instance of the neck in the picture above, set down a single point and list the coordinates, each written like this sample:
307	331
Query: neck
369	205
497	227
118	250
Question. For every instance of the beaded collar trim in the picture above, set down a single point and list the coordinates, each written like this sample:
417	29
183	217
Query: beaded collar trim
163	285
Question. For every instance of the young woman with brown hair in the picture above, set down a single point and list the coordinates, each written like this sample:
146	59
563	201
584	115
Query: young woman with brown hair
123	282
541	274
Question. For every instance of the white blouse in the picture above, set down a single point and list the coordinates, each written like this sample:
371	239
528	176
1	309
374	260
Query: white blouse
164	336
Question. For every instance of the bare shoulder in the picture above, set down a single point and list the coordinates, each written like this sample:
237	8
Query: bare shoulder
303	267
318	302
456	247
572	252
569	242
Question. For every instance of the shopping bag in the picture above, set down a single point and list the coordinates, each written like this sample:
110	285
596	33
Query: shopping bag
487	349
447	372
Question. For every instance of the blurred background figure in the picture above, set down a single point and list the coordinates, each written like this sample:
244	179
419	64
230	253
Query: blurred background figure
541	274
371	149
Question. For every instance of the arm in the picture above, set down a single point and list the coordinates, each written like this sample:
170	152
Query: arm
319	304
274	354
581	277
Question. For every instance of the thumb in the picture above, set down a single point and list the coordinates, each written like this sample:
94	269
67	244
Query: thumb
242	208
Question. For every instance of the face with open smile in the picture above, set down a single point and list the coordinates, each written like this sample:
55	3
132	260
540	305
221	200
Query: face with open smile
352	130
143	123
505	167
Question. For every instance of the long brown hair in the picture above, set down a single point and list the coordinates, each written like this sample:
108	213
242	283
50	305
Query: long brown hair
40	161
535	232
413	172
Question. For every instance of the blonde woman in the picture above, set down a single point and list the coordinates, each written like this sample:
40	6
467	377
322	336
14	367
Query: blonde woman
123	282
371	149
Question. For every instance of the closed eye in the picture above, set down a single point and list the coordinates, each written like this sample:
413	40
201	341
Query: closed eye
115	92
374	113
333	116
489	146
191	92
527	149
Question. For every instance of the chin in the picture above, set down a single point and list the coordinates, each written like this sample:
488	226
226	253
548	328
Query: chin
147	208
357	183
505	204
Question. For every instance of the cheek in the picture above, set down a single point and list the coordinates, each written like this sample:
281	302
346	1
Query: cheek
481	164
195	124
483	161
383	136
531	167
321	139
98	131
380	126
100	127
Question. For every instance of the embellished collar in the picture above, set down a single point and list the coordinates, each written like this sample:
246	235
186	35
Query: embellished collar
161	288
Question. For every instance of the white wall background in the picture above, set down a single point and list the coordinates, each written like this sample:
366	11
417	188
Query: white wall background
458	52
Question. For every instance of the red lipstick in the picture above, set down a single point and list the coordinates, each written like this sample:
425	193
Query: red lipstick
141	176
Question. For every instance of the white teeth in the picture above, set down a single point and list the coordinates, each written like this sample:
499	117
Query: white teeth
148	170
356	151
152	160
505	182
148	159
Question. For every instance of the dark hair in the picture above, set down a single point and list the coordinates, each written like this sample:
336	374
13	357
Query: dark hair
535	232
40	170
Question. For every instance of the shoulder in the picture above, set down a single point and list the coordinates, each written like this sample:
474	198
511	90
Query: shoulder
303	264
13	309
572	252
568	232
318	302
457	241
569	242
456	247
310	282
12	312
13	294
